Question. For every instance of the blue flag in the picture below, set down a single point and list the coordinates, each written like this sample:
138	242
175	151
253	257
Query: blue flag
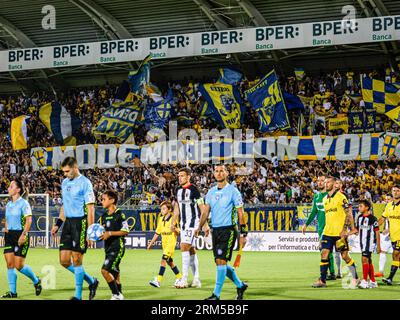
229	75
140	77
122	91
266	98
292	102
158	114
356	121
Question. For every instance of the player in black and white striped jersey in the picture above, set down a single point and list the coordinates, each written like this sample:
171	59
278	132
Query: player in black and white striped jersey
368	230
187	210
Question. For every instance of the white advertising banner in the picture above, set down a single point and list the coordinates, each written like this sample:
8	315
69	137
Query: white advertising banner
290	242
315	34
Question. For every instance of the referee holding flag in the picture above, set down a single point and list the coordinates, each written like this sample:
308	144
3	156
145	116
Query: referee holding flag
225	203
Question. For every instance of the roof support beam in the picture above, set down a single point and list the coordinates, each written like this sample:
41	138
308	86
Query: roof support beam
115	29
23	41
111	26
257	18
218	22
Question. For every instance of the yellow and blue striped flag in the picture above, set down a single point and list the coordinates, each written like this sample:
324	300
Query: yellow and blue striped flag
383	97
59	122
19	135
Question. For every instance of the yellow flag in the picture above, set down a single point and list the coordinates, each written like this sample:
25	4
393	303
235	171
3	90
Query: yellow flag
19	136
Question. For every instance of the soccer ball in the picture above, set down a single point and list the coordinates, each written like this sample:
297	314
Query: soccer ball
95	231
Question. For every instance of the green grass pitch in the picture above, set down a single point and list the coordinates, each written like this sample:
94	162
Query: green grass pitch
269	276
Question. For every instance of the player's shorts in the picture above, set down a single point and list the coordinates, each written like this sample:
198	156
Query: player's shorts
187	235
113	259
11	243
328	242
396	245
366	254
223	240
73	236
386	244
168	248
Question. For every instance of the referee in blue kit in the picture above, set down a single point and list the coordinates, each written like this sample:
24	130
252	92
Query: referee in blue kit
78	213
225	203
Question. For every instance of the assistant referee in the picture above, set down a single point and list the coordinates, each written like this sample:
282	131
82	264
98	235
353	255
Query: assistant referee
225	203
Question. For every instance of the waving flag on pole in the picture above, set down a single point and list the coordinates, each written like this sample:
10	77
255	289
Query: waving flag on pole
19	136
119	121
158	114
59	122
140	78
225	102
266	98
229	75
383	97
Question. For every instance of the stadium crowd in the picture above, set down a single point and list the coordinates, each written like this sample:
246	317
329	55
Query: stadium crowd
271	182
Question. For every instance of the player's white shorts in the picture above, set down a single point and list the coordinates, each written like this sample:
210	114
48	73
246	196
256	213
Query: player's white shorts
386	244
187	235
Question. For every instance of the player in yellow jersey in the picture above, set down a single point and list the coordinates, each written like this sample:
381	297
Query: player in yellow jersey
392	214
338	216
169	239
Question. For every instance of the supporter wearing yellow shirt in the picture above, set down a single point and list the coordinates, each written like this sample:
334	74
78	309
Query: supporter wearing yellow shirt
384	186
169	239
375	185
338	215
368	180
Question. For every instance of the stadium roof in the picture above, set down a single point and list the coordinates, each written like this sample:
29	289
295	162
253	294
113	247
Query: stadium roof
80	21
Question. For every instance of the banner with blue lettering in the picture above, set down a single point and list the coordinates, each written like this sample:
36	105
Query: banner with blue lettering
367	146
266	98
119	121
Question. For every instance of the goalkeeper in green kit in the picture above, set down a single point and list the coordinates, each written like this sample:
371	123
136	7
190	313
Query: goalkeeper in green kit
319	212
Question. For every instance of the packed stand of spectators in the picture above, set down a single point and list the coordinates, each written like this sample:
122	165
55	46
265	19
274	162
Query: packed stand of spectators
286	182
